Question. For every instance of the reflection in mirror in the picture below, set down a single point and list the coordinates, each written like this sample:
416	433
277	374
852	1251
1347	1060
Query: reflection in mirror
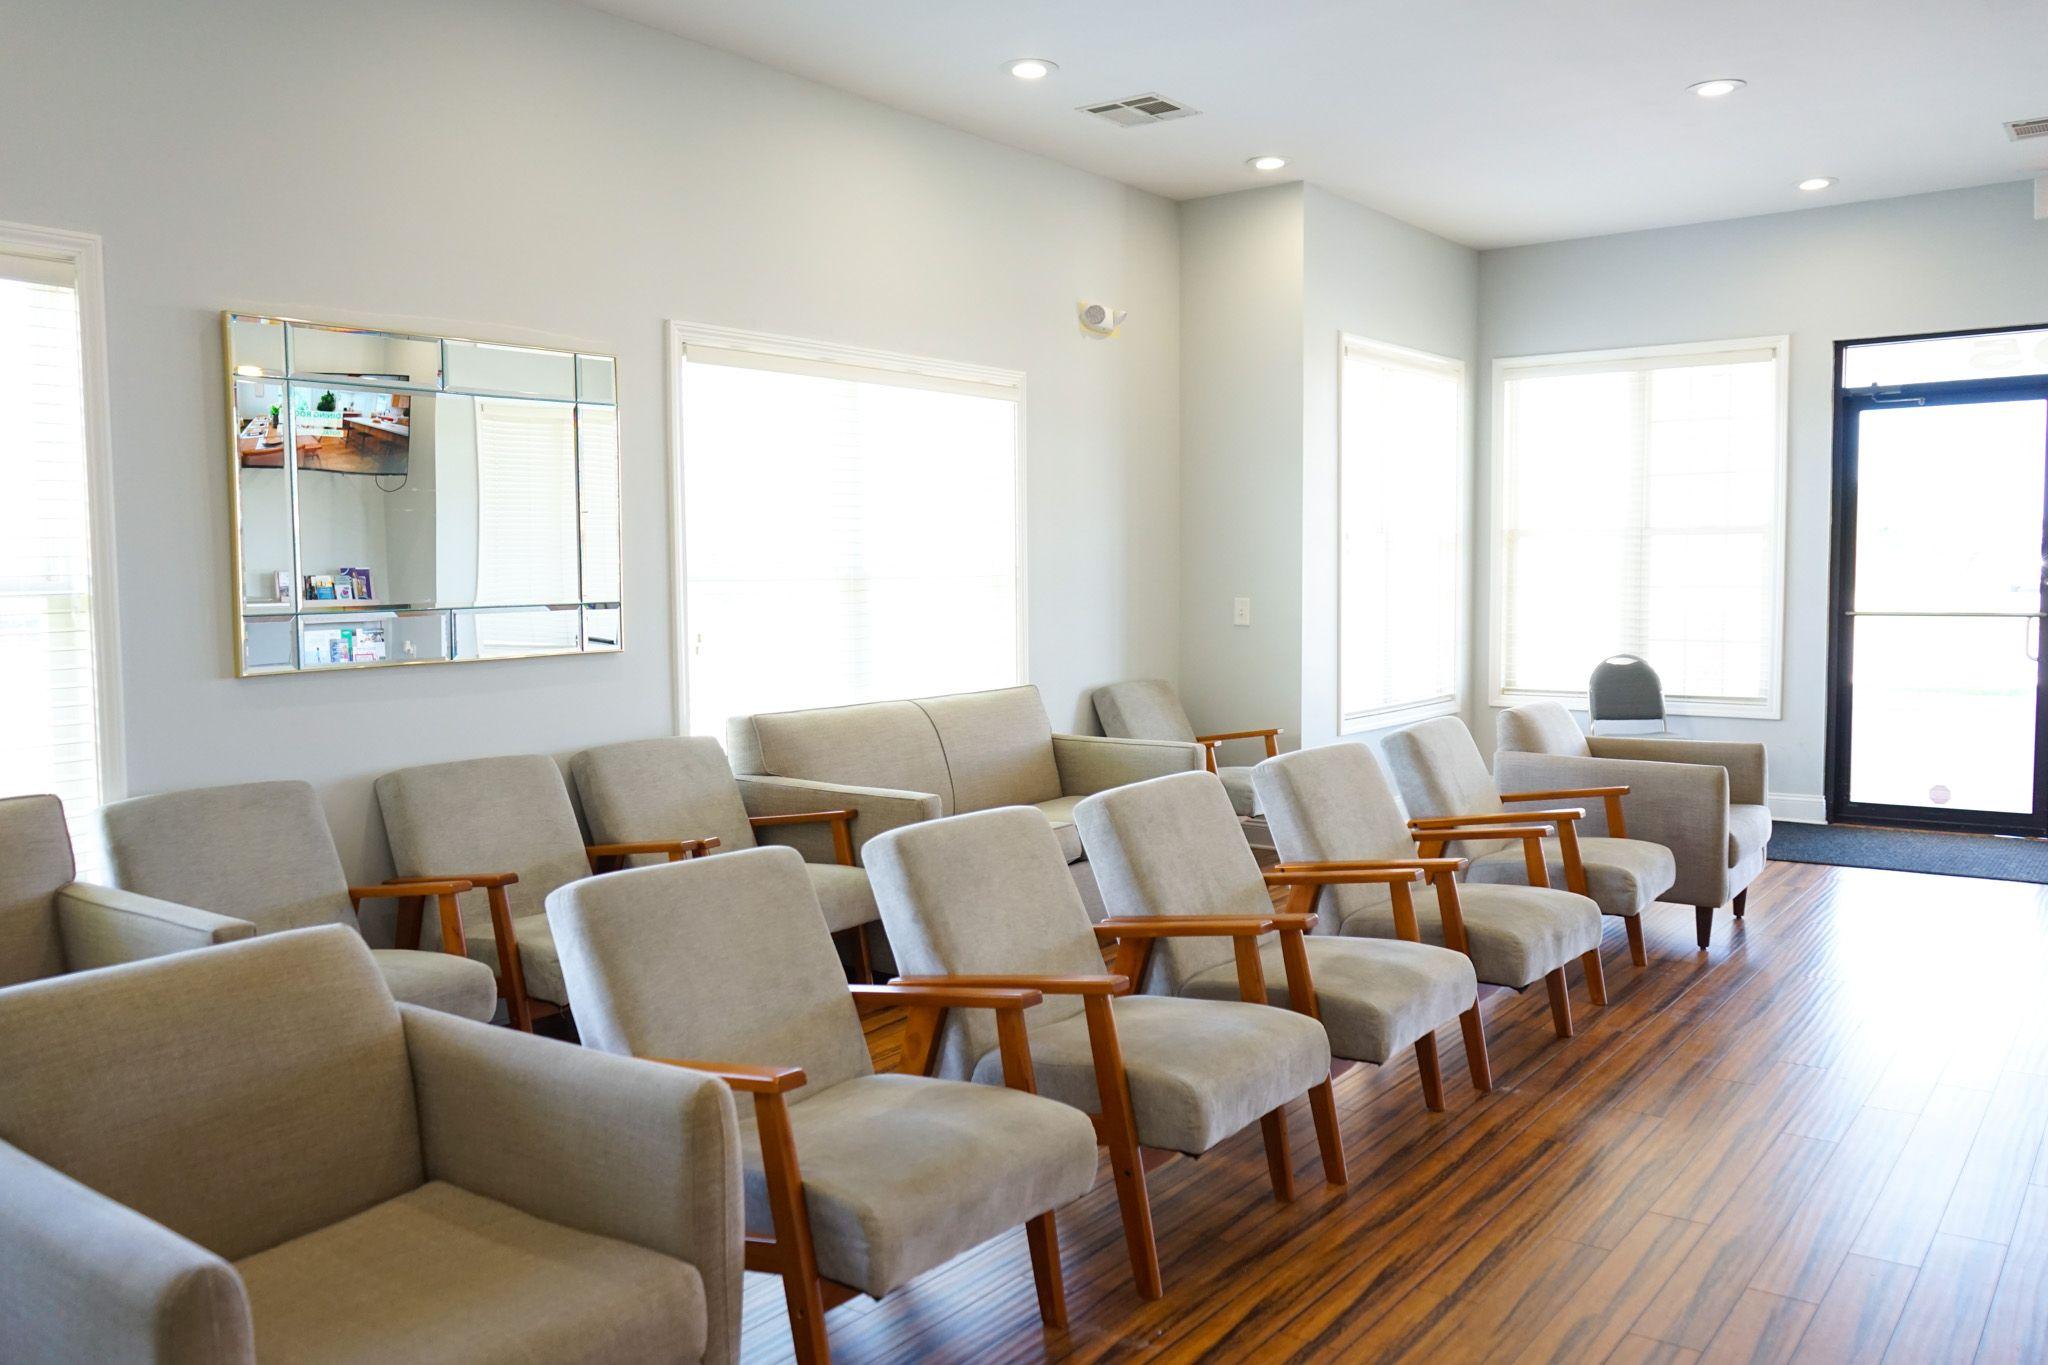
600	627
257	345
525	503
475	366
264	490
595	379
353	639
597	473
344	354
266	643
511	632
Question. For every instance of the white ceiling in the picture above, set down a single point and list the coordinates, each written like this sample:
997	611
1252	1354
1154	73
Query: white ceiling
1489	121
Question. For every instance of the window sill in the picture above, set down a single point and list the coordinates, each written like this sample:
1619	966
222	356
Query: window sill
1770	709
1386	718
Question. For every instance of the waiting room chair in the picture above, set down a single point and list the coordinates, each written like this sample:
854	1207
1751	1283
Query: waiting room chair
682	786
1627	690
261	852
1335	807
505	826
1149	708
253	1153
1163	849
1705	800
984	900
856	1183
1445	783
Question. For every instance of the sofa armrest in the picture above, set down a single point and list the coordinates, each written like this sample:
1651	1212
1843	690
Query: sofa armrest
91	1279
1093	763
1683	806
104	925
1747	762
877	810
609	1145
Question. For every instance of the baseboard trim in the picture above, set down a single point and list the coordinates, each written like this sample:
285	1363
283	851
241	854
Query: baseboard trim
1800	810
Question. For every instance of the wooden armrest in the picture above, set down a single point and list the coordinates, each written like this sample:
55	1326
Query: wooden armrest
1563	793
676	849
1345	876
1499	817
475	879
1238	734
801	817
1191	926
949	996
1051	985
404	887
1448	835
1369	864
752	1080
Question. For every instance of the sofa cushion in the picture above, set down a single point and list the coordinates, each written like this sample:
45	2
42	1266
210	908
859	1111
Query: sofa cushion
35	862
439	981
876	744
1375	996
1516	934
902	1173
1624	875
1541	727
1060	810
998	747
1145	708
843	894
1749	832
539	962
1237	784
383	1284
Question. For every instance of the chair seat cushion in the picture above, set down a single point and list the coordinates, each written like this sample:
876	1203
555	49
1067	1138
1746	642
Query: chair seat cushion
1238	783
1199	1070
1060	811
1375	996
843	894
439	981
538	959
1749	833
440	1274
1517	934
1624	875
903	1173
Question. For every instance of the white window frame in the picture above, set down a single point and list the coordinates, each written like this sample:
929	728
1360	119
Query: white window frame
1772	705
1408	713
798	352
82	252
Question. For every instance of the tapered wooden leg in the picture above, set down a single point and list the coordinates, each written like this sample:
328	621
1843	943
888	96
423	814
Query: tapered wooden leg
1273	1124
1044	1238
1560	1003
511	968
1636	953
801	1290
1322	1103
1119	1130
1741	901
863	964
1596	977
405	930
1432	1075
1703	920
1476	1060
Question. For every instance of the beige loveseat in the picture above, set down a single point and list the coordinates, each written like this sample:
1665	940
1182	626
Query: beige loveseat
899	762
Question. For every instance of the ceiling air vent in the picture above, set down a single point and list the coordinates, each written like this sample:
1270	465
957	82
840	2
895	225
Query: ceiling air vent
1139	110
2020	129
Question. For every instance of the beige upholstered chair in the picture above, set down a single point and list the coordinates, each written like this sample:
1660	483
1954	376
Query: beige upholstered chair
855	1182
1705	800
1445	783
982	900
682	786
262	853
1149	708
51	923
1164	849
253	1153
504	825
1336	806
901	761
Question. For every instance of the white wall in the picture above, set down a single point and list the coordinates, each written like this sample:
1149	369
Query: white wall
1935	262
593	178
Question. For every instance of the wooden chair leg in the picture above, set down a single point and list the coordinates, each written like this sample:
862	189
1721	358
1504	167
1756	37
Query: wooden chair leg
1044	1237
1322	1103
1476	1060
1432	1074
1273	1125
1596	976
1636	952
511	969
1741	901
801	1290
1560	1003
1119	1129
1703	920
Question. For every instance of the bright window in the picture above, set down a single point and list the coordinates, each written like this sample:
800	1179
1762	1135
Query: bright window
1401	494
53	730
1640	510
850	527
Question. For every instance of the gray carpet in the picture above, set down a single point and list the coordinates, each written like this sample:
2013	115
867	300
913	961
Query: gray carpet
1910	850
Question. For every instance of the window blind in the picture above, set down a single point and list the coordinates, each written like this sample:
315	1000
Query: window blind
1401	461
527	527
1640	513
850	534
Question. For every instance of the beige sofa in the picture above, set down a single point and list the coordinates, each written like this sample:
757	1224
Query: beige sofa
899	762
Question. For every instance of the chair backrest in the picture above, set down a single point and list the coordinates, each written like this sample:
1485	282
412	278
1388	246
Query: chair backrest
1173	846
1145	708
1540	727
35	864
1624	688
1440	772
674	788
485	815
714	959
982	894
1335	803
260	851
241	1096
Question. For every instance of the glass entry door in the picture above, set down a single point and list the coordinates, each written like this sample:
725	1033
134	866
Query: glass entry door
1937	716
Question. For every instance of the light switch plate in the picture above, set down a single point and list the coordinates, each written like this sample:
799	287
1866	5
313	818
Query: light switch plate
1241	611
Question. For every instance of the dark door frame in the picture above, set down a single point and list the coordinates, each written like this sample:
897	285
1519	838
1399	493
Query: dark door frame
1849	404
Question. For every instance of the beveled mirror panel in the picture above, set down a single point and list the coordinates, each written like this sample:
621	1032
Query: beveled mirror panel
402	499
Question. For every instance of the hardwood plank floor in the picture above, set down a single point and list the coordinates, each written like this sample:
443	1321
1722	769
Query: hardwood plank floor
1826	1139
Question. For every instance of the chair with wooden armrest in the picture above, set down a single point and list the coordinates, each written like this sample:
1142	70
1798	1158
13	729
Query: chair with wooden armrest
505	826
682	785
262	852
1337	805
1149	708
1163	849
985	899
855	1182
1443	778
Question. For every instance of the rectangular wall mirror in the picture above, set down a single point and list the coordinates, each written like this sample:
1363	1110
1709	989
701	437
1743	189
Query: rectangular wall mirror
406	499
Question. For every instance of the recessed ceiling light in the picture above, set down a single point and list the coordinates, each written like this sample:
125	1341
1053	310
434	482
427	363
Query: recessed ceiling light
1818	182
1266	163
1031	68
1718	88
